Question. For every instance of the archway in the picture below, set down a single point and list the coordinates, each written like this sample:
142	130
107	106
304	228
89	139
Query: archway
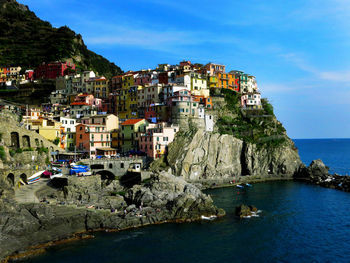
110	166
15	140
37	142
97	166
106	175
23	178
42	143
25	141
11	179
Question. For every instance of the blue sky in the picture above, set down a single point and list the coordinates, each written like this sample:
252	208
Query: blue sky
299	50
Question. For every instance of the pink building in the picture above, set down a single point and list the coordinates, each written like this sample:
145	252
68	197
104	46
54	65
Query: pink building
89	99
155	140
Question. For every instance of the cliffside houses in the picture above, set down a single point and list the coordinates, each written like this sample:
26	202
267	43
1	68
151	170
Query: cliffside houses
138	112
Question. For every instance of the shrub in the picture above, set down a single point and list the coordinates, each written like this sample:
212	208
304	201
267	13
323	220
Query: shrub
2	153
28	149
268	108
56	141
19	150
42	150
12	152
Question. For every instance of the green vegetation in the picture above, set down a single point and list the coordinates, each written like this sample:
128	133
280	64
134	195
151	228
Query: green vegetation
268	108
115	193
28	41
56	141
232	100
29	149
146	181
19	150
2	153
42	150
12	152
257	126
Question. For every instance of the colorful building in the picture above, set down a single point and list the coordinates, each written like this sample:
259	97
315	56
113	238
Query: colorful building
228	81
129	133
155	140
101	88
93	139
212	69
53	70
251	100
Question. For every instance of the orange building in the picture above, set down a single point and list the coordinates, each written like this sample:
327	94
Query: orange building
228	81
205	101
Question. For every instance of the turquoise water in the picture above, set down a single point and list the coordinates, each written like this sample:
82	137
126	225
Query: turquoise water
298	223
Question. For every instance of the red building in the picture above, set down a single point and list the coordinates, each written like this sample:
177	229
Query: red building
163	78
53	70
29	74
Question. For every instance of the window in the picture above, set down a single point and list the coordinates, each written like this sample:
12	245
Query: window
121	165
80	136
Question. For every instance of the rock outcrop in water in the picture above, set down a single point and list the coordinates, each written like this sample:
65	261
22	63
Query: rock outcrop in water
164	198
220	157
318	173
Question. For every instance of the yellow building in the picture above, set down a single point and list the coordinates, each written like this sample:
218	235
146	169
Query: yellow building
50	129
212	81
126	103
101	88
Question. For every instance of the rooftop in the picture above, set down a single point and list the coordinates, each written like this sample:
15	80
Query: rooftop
131	121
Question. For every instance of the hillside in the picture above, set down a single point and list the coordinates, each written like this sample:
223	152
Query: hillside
27	41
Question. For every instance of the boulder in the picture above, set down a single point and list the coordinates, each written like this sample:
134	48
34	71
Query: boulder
245	210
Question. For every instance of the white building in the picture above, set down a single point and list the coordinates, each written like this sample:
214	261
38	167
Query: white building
209	123
251	100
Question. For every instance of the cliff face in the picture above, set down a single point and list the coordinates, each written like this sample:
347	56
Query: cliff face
216	157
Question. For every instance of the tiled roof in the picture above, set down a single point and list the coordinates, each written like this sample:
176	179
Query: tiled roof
79	103
131	121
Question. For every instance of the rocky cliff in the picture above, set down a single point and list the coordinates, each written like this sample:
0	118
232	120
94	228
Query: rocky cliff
91	204
221	157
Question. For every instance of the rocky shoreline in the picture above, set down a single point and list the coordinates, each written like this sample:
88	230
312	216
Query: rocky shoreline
165	198
318	173
183	202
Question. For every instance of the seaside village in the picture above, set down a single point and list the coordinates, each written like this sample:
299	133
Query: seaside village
135	113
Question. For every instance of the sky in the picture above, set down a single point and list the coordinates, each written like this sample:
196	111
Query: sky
299	50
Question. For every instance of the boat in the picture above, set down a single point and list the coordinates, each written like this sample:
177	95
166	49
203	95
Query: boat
35	177
56	175
239	186
248	185
77	169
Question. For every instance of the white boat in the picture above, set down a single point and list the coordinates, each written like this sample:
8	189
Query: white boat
248	185
239	186
35	177
56	175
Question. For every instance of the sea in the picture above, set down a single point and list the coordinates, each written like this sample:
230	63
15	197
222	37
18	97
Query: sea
298	222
